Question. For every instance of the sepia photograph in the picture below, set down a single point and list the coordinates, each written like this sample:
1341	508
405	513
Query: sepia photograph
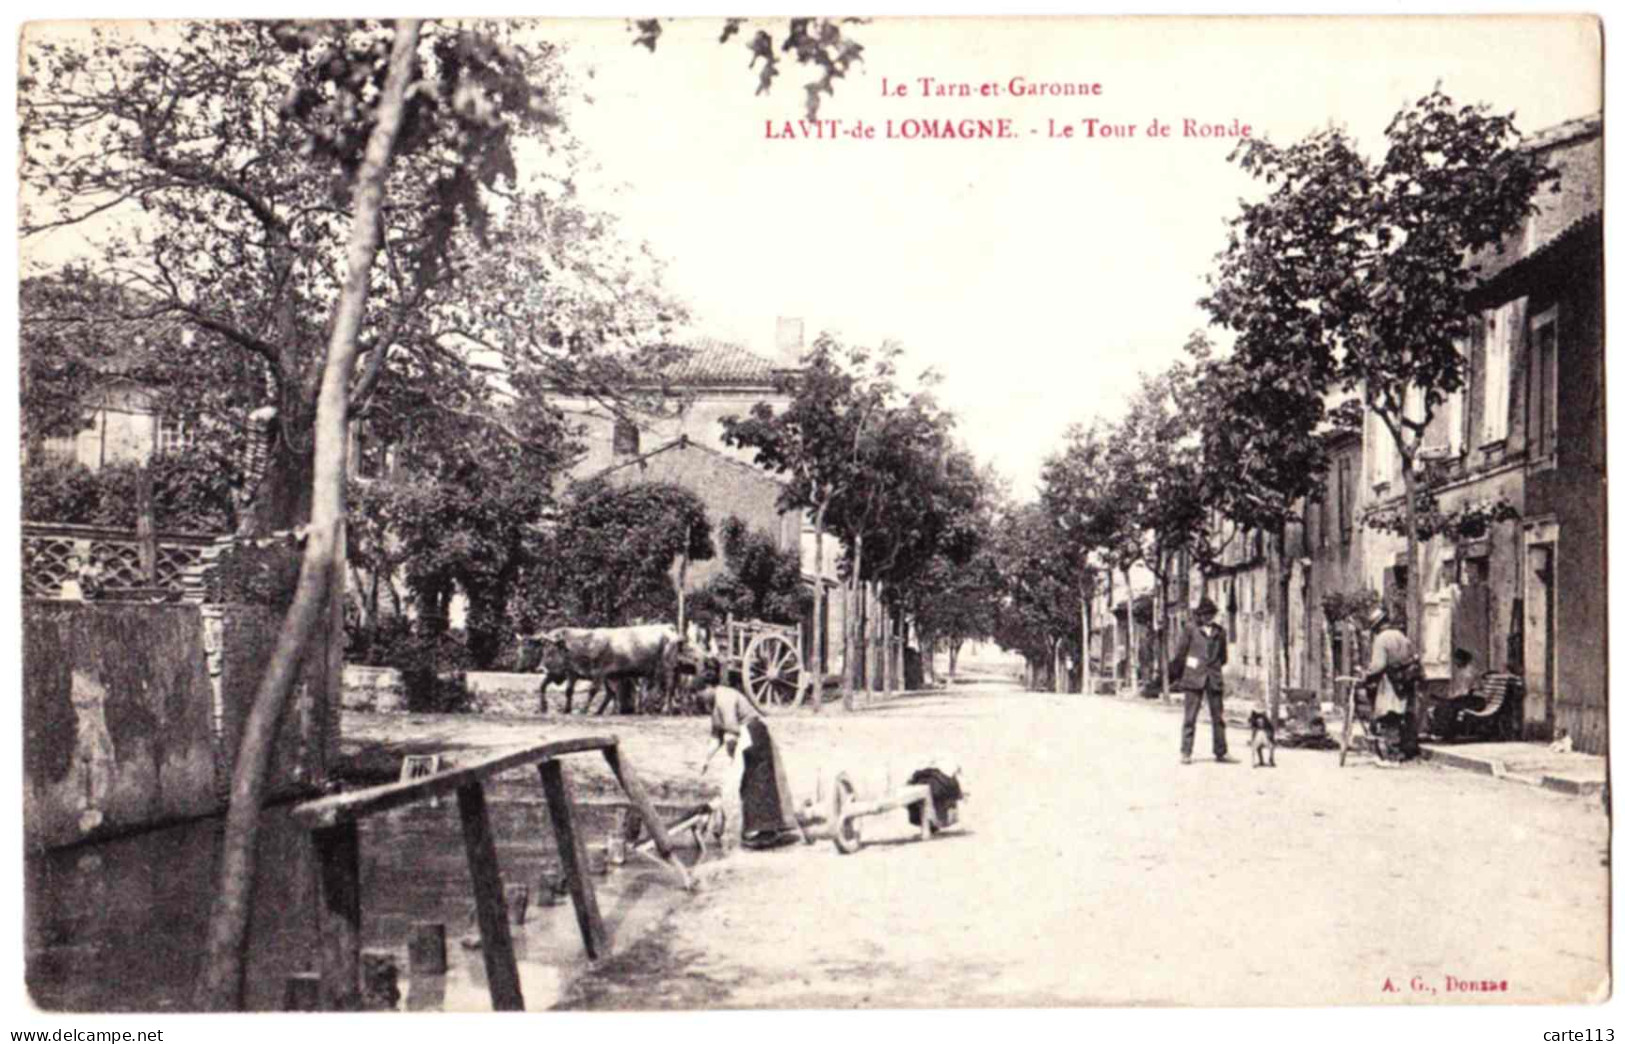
820	514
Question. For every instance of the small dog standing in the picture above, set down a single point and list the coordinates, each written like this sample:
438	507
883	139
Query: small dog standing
1263	738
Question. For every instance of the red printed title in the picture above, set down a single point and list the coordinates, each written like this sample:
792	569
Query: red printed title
1021	92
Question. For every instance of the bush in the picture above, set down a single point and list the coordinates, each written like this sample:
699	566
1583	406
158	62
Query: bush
257	574
192	492
431	666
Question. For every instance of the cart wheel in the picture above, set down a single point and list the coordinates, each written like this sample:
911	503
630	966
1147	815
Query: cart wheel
772	670
847	833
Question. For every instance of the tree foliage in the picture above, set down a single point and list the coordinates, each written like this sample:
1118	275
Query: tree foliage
1351	275
611	558
192	493
235	143
762	582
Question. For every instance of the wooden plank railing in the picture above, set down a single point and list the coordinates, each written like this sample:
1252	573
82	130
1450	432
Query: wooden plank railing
334	823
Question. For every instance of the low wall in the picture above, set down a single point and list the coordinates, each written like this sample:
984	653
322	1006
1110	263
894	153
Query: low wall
132	715
503	692
373	689
380	690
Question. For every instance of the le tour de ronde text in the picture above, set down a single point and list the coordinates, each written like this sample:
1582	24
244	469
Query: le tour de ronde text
1047	124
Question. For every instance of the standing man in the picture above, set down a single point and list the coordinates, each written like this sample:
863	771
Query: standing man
1390	674
1196	668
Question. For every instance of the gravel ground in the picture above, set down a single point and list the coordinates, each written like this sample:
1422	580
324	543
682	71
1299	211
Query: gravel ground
1091	868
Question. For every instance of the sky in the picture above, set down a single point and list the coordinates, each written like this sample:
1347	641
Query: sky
1039	275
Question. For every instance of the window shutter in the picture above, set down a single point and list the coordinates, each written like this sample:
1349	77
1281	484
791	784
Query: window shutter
1501	335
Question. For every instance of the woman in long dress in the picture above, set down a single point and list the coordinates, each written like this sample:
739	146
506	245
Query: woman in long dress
767	811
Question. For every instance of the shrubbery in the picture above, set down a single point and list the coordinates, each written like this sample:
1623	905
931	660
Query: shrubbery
192	492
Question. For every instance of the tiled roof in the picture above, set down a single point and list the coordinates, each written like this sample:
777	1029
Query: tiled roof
1581	127
713	362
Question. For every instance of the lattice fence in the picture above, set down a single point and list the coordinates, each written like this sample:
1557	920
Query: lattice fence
51	551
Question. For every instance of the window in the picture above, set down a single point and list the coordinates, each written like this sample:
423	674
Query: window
172	436
1500	328
1543	386
626	438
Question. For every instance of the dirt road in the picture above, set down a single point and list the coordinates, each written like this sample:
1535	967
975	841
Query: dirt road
1094	869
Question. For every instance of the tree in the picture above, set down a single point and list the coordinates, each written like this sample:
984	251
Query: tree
909	494
236	144
934	556
1352	274
816	442
220	986
1154	459
1039	588
956	603
611	558
1092	516
459	515
762	582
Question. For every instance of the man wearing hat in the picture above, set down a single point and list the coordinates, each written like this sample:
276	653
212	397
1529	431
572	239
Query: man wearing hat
1196	668
1390	649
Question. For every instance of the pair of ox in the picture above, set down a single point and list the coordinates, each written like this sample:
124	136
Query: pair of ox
651	652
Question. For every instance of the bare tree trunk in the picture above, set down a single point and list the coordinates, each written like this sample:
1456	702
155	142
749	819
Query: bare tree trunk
220	986
1162	624
1058	683
820	639
1086	677
1413	562
1133	649
849	678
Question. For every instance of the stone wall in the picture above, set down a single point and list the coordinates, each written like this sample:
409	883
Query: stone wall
373	689
380	690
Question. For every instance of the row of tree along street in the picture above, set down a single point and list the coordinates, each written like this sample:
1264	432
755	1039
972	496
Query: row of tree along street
1342	293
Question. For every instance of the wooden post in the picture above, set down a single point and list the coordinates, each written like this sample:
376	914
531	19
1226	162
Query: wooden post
574	856
302	992
338	915
426	950
640	801
146	526
496	944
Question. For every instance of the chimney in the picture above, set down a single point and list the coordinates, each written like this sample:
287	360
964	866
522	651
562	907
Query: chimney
787	342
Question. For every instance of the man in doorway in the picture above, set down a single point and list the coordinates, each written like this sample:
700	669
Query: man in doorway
1196	668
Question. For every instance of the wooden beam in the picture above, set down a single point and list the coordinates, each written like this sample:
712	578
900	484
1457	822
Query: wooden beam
338	915
490	907
358	804
651	819
573	853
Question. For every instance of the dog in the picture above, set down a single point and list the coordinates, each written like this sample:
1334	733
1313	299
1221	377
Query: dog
1262	739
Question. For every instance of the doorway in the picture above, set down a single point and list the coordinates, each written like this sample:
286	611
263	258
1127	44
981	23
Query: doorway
1540	645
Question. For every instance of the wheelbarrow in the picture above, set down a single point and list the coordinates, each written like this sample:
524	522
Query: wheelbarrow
847	809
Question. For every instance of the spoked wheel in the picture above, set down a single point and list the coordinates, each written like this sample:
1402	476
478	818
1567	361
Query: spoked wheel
848	834
772	670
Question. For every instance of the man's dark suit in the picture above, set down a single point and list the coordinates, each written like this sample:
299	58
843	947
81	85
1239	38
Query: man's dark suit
1195	668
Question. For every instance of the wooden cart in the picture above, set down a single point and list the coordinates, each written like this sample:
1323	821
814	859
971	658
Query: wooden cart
767	659
846	809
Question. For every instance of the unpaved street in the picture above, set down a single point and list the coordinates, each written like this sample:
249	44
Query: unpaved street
1092	868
